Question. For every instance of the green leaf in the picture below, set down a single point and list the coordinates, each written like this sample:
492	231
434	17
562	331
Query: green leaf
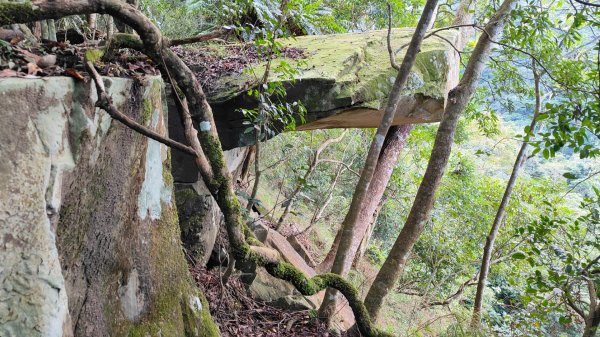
519	256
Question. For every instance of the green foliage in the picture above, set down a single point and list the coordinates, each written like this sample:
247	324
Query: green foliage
368	15
562	253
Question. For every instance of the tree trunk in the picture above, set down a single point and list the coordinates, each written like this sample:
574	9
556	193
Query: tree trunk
318	214
44	24
489	241
51	30
257	172
592	322
245	172
364	244
344	256
458	99
392	146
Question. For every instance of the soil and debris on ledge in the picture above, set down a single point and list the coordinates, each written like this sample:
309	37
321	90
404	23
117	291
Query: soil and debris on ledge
238	314
65	59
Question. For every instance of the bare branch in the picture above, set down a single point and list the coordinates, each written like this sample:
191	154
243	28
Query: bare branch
333	161
435	31
389	39
573	306
199	38
588	3
105	102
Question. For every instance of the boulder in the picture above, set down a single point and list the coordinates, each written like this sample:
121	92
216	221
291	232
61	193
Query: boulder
300	249
271	238
344	81
199	219
89	241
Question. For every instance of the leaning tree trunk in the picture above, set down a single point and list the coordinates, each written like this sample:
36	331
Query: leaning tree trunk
344	256
392	146
489	241
592	322
395	141
458	99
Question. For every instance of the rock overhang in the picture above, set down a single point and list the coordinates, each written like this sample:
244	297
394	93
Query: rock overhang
345	79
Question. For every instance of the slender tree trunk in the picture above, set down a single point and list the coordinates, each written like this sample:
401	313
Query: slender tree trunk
344	257
256	175
489	242
318	214
92	21
392	146
458	99
44	24
110	27
364	244
292	198
51	30
250	156
592	322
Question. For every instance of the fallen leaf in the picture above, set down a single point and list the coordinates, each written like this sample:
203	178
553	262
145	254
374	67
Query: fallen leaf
29	56
74	73
32	69
8	73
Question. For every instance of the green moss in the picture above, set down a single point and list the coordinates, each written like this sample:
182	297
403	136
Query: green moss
147	112
127	41
94	54
357	65
11	12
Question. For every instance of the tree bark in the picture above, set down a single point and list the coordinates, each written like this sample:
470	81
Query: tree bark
256	175
592	322
489	242
246	165
458	99
392	146
344	256
318	214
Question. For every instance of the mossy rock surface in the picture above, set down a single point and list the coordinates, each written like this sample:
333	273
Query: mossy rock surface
344	81
92	213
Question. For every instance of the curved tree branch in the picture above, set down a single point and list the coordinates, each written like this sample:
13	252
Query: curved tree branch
105	102
219	181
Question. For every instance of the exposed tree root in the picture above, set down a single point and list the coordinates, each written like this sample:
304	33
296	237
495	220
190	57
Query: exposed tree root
215	174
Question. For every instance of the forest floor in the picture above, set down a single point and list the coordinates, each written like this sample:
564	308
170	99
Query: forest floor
238	314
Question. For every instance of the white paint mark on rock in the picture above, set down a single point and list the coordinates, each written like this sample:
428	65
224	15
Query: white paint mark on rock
379	140
132	302
195	303
205	126
154	190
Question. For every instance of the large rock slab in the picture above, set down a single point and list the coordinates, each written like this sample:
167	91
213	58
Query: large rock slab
344	318
89	239
344	82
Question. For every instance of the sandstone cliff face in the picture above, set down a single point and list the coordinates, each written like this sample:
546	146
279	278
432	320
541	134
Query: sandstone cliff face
89	236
